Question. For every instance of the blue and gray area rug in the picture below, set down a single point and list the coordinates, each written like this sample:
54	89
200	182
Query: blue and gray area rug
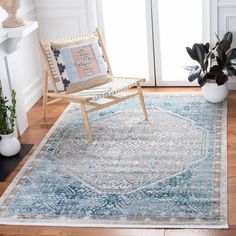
170	171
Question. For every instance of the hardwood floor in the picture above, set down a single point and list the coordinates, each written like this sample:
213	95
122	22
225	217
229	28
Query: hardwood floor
38	127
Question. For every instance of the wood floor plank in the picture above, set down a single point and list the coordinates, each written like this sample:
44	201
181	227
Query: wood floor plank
10	230
38	127
186	232
65	231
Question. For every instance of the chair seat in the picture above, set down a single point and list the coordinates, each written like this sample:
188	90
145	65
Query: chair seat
116	85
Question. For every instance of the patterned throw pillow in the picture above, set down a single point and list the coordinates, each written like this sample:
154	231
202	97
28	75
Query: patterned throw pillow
79	63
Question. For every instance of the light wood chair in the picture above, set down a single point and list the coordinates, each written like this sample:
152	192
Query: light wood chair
88	102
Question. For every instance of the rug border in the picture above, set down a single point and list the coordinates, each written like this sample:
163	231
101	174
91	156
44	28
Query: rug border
224	156
75	223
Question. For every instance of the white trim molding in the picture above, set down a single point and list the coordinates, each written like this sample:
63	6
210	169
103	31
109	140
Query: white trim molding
226	3
32	93
226	20
232	84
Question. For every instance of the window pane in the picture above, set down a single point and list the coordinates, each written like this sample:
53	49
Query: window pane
178	29
126	37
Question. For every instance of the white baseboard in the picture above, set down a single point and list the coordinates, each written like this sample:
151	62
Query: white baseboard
232	85
33	93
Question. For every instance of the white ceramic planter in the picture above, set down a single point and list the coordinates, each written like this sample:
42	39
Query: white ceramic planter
9	145
215	93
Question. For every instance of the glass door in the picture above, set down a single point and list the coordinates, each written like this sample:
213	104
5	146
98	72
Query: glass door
176	25
147	38
127	27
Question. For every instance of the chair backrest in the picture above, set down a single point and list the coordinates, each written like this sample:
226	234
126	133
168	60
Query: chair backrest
79	62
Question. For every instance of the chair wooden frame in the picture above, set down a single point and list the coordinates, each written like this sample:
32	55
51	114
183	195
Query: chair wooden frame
92	101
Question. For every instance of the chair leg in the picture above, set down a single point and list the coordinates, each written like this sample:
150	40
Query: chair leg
142	102
86	123
45	97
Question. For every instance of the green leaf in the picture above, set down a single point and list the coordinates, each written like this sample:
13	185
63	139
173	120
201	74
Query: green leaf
220	63
189	68
215	70
193	74
191	53
210	76
223	57
231	54
233	62
206	47
231	71
7	113
228	37
202	80
209	55
224	45
221	78
199	53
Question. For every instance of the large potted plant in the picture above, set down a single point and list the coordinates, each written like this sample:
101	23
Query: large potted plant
214	67
9	144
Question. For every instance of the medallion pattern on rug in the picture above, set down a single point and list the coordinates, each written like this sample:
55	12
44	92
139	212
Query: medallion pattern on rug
169	171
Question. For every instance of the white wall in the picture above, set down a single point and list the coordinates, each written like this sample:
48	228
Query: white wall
63	18
226	10
26	60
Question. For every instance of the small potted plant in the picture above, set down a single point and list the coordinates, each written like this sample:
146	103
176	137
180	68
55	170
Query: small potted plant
9	144
214	67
